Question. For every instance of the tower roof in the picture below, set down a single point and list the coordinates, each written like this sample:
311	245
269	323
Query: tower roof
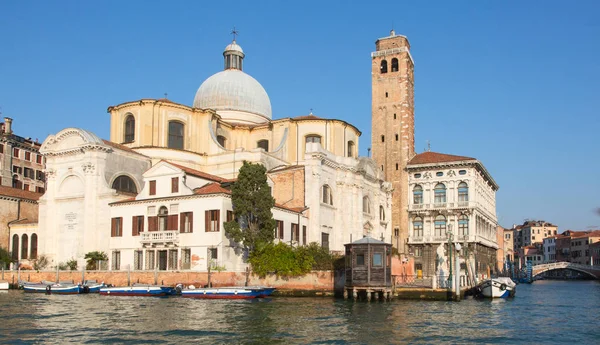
434	157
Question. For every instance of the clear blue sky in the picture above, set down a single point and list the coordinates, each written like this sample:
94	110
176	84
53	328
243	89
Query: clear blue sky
514	85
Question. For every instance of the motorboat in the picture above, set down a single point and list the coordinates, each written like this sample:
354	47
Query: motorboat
501	287
226	292
92	286
138	290
63	288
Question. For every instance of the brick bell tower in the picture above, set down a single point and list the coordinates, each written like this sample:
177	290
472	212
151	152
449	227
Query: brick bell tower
393	124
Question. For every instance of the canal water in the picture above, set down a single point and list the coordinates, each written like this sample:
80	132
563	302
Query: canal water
545	312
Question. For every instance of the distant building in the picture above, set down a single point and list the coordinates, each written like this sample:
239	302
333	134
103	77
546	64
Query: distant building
531	254
21	164
18	206
508	244
549	248
533	231
595	253
580	246
451	198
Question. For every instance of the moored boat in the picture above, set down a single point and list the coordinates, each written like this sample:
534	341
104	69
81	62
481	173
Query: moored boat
53	288
138	290
4	285
92	286
228	292
501	287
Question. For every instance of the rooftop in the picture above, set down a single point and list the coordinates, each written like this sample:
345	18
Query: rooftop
435	157
19	193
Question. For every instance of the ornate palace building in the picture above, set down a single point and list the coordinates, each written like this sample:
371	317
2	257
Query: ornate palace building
451	199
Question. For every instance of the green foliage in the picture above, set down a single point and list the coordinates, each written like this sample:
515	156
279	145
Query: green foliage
93	258
41	263
323	260
214	266
280	259
253	223
72	264
62	266
5	258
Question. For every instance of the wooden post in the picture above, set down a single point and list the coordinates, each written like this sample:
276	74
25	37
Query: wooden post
83	275
247	275
345	293
2	272
354	294
368	295
18	275
208	285
128	275
155	275
57	274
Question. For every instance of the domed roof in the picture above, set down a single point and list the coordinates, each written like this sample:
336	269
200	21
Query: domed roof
234	90
234	46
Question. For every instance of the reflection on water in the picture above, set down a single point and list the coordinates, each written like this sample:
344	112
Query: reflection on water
543	312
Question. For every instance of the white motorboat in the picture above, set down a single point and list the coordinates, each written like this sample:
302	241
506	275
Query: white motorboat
501	287
4	285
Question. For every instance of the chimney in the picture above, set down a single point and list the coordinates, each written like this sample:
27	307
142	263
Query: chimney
7	125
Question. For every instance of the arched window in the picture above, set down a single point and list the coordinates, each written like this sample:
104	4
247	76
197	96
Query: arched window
313	139
418	227
24	246
418	195
34	246
381	213
15	247
263	144
463	225
221	140
383	66
175	135
394	65
351	149
163	213
463	192
440	226
366	205
129	128
439	193
327	196
125	184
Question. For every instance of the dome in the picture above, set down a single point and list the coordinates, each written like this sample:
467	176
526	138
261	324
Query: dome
233	46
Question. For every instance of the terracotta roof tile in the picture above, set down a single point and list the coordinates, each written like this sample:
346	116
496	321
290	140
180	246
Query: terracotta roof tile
211	188
19	193
121	147
434	157
199	173
308	117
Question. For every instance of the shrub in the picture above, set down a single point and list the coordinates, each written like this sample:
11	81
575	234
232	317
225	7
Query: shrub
41	263
5	258
72	264
62	266
93	258
280	259
214	266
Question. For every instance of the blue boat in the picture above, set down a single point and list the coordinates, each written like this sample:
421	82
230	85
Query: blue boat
92	286
228	292
138	290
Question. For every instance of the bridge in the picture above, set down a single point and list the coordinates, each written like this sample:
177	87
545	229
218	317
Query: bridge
593	271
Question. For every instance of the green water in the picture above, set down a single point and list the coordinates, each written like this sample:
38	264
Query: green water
546	312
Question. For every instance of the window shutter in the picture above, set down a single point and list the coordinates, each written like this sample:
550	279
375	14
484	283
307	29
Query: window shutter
206	220
120	221
229	216
152	223
141	227
182	222
134	226
172	222
218	220
174	184
112	227
152	187
191	217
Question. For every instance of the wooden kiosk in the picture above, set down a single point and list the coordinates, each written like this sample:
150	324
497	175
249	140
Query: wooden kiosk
368	269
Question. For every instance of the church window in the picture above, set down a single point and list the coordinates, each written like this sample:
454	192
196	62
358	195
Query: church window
440	193
175	135
439	173
396	166
383	66
327	196
396	137
440	226
417	175
366	205
418	227
350	149
383	138
163	214
174	184
34	246
313	139
24	246
152	187
221	140
381	213
462	172
386	95
129	128
263	144
125	184
394	116
417	195
394	65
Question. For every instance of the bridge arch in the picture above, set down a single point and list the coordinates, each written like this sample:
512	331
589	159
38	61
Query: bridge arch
591	271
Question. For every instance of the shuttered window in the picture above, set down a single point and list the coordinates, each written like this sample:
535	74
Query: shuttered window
279	229
212	220
137	225
175	185
153	223
116	227
153	187
172	222
186	224
295	232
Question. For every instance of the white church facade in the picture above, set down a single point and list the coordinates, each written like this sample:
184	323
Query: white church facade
156	195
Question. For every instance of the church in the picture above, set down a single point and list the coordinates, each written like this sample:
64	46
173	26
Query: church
155	195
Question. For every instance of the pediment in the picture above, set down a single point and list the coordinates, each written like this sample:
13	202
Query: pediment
69	139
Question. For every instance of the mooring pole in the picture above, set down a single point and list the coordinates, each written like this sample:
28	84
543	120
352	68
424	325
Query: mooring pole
57	273
83	275
128	275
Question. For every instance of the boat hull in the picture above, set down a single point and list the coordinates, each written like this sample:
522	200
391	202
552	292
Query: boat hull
228	293
147	291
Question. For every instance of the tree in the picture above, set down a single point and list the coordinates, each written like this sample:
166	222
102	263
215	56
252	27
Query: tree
253	223
93	258
5	258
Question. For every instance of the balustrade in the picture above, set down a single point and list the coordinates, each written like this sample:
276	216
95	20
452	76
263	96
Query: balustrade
153	237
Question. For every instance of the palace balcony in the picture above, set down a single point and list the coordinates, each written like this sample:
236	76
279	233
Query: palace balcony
159	237
443	206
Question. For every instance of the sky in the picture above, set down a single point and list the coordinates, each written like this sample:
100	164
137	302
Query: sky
514	84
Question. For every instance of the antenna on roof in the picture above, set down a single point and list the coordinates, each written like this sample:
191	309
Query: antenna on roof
166	94
428	146
311	111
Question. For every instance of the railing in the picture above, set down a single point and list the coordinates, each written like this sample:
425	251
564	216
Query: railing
439	205
152	237
416	239
418	206
411	281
